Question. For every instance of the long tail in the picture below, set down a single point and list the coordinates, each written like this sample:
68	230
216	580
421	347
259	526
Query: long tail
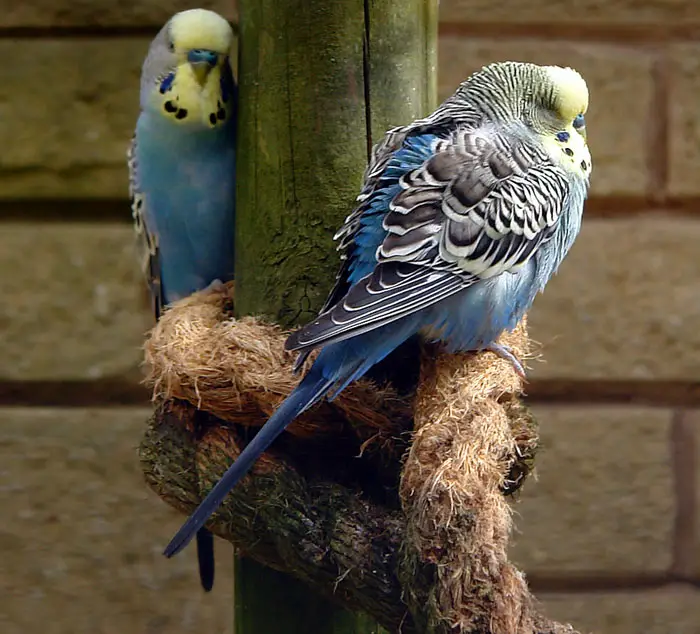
205	558
311	389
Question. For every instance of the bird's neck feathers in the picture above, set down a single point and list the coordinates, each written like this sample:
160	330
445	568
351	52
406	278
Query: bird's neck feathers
181	99
552	253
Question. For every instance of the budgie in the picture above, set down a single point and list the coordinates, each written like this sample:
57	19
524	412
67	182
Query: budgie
463	218
182	170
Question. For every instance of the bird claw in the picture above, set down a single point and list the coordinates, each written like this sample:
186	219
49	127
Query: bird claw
506	353
214	285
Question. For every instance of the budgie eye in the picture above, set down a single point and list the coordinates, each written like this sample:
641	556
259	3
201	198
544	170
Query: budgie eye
579	122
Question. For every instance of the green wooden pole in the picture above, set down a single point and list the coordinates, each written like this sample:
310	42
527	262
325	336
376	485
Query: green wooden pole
319	83
402	54
269	602
302	149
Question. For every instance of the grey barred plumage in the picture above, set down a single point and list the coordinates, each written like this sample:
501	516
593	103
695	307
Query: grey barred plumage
146	241
479	187
498	93
493	192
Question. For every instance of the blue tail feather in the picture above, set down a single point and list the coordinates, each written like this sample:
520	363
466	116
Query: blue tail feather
311	389
205	558
348	360
337	365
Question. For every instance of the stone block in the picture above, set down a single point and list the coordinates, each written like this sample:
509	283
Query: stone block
74	302
683	125
595	13
620	84
603	501
100	13
625	303
82	535
670	610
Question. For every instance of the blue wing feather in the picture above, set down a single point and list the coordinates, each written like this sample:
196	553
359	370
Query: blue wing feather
370	234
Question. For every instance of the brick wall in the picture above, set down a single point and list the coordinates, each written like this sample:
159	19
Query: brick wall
608	533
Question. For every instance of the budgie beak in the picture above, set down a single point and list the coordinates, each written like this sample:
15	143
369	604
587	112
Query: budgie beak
202	61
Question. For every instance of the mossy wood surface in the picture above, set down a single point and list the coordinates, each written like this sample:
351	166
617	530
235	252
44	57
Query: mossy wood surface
258	592
319	83
402	62
302	149
342	547
315	78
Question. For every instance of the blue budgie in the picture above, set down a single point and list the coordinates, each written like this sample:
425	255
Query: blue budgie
182	168
463	218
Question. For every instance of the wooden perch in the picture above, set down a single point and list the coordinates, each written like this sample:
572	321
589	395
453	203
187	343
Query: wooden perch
417	539
341	544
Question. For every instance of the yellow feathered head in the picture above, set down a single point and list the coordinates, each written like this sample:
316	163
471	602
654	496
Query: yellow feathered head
187	74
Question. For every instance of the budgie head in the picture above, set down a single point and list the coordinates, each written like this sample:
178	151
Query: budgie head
186	77
550	101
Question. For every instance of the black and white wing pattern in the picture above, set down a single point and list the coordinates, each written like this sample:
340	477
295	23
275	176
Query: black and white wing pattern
481	205
381	155
147	242
379	159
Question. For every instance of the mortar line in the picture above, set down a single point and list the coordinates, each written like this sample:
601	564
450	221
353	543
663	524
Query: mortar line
597	392
92	31
592	582
615	35
548	30
684	468
117	209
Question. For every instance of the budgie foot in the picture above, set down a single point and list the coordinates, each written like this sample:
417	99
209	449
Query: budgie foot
215	285
506	353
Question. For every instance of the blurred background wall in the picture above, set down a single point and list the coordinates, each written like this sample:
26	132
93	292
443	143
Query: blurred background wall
608	535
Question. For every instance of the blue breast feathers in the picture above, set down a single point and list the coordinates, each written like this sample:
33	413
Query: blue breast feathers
187	179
